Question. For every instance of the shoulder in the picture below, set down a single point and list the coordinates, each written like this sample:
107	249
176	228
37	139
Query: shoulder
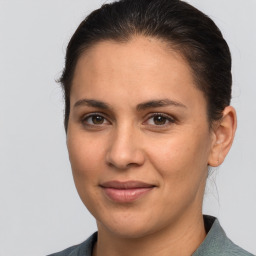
67	252
217	242
234	250
82	249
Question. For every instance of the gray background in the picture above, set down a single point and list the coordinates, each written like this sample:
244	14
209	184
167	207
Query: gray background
40	211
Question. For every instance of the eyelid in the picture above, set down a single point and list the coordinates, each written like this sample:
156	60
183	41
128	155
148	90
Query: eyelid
169	118
88	115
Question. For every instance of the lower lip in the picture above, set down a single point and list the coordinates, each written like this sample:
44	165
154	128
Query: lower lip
126	195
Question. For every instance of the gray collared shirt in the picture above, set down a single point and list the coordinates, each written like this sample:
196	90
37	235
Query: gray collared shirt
215	243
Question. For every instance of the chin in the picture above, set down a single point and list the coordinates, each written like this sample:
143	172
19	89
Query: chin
127	230
129	225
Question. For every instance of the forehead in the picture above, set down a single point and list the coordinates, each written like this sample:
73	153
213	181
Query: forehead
142	66
137	53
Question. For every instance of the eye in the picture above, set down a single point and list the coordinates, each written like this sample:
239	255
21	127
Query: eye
159	119
94	119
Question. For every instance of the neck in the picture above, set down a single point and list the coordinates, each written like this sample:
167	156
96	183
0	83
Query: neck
179	240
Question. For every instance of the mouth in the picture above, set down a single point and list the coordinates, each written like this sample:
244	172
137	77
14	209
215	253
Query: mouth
125	192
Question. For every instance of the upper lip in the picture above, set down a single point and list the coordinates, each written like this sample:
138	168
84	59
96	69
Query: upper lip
126	184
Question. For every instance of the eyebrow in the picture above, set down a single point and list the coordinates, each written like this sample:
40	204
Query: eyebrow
159	103
92	103
139	107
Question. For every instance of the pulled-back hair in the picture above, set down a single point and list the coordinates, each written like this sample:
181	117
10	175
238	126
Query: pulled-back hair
187	30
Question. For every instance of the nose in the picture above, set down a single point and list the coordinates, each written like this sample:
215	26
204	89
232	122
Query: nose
125	149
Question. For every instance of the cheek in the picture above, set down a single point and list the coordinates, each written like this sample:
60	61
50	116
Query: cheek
182	157
85	155
182	164
86	160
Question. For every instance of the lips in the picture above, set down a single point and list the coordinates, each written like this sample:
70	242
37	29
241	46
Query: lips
125	192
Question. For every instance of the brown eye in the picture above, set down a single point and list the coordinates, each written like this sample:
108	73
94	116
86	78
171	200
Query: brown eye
94	119
160	120
97	119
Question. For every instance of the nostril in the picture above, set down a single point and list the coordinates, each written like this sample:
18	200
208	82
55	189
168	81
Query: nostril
124	148
126	160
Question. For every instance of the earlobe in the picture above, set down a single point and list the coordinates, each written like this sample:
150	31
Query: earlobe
224	133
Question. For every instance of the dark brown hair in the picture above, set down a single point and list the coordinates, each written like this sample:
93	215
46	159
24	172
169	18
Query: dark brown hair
184	27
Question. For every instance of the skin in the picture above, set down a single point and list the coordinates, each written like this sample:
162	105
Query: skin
119	139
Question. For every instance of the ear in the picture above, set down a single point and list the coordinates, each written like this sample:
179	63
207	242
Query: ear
223	136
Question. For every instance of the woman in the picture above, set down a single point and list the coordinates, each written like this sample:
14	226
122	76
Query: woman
147	91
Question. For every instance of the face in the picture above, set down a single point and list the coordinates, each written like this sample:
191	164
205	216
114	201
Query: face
138	137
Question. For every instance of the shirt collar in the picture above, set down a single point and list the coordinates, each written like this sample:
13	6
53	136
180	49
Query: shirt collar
214	244
215	240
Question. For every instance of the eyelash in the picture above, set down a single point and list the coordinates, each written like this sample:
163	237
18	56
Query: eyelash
91	115
167	118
